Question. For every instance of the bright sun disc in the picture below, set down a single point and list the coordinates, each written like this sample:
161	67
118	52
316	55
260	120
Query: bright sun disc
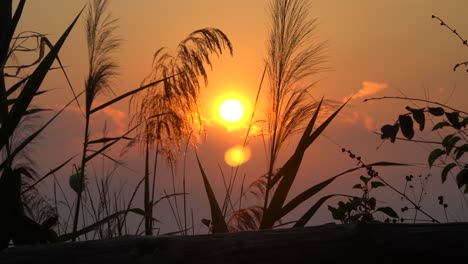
231	110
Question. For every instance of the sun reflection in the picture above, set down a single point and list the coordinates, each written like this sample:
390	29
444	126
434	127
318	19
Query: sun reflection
237	155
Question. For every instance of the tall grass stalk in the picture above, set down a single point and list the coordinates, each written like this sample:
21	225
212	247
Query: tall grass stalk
102	68
170	112
293	57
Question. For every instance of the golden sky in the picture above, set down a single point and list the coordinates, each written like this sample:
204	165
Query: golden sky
376	48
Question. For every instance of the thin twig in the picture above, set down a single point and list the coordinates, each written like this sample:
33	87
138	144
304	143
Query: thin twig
414	99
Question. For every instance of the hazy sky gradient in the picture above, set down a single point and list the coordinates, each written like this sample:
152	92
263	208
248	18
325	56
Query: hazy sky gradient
375	48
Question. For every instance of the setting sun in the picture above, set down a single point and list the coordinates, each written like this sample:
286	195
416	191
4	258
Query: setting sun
231	110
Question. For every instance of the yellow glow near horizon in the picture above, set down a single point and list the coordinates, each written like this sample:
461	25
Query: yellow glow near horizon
231	110
237	155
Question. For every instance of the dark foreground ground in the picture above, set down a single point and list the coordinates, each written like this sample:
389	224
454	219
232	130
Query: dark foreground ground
353	243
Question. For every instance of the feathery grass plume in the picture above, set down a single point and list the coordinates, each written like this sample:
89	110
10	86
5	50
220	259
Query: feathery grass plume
170	112
294	55
101	42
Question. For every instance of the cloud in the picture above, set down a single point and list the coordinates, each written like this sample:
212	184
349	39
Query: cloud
369	88
119	118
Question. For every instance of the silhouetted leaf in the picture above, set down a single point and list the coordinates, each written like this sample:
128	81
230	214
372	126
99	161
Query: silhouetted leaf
406	124
436	111
435	154
388	211
459	151
464	122
446	170
389	131
291	167
357	186
311	212
130	93
440	125
372	203
453	118
462	178
107	139
376	184
418	115
364	179
219	224
449	142
336	213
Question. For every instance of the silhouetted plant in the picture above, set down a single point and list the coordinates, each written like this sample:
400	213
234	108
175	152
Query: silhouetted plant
453	146
455	32
362	208
102	68
169	113
15	110
293	57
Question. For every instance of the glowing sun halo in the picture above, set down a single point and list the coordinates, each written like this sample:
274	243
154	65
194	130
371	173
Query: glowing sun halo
231	110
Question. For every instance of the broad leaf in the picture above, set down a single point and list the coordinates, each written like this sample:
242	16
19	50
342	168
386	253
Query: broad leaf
418	115
462	178
406	125
376	184
449	142
372	203
389	131
453	118
446	170
364	179
440	125
435	154
388	211
436	111
459	151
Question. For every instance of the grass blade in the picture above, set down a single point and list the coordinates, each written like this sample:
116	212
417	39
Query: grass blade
30	88
107	139
311	212
305	195
35	134
92	227
217	218
125	95
47	175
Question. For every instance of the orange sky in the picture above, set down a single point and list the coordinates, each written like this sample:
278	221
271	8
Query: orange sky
376	48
